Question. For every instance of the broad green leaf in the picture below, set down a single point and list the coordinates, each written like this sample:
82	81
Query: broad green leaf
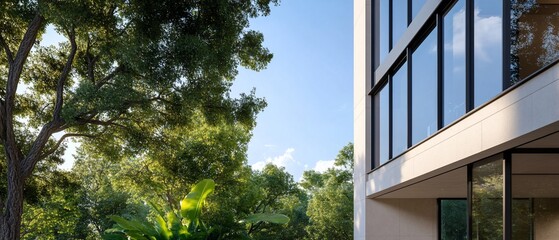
162	228
132	225
267	217
191	205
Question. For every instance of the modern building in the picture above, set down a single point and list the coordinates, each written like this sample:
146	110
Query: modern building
456	119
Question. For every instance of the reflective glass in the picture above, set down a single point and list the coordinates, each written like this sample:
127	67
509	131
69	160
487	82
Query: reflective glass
416	5
534	36
487	200
383	29
454	98
400	110
399	19
488	48
535	196
424	89
454	219
383	137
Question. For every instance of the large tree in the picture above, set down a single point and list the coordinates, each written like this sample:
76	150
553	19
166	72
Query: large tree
127	70
330	206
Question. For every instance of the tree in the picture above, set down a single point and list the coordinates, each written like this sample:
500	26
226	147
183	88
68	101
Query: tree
331	203
127	70
273	190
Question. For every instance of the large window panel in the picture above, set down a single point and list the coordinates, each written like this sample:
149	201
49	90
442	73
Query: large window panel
453	219
487	200
534	36
535	196
454	72
383	29
382	138
399	19
488	49
424	89
400	110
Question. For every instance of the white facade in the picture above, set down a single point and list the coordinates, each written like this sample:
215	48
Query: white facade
399	199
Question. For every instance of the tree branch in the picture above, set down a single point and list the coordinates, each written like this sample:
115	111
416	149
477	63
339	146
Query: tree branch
64	75
13	152
34	154
67	135
101	123
9	53
109	77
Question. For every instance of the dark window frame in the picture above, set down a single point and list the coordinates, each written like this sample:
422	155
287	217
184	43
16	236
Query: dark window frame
437	20
506	158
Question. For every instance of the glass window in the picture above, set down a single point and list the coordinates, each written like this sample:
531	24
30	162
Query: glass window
416	5
383	30
535	196
534	36
400	110
399	19
487	200
454	85
382	99
424	88
454	219
488	48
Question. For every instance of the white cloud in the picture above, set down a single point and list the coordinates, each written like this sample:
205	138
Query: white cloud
322	165
281	161
487	35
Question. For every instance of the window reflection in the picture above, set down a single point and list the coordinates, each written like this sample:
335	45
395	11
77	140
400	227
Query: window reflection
400	111
383	30
534	36
454	219
488	48
399	19
535	193
424	88
487	200
383	118
454	98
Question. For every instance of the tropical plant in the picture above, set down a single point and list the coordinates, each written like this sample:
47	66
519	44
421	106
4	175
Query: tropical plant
184	223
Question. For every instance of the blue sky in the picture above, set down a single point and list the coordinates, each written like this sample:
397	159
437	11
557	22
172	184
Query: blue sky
308	85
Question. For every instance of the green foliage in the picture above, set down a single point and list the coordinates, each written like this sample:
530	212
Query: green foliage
127	74
330	207
183	223
267	217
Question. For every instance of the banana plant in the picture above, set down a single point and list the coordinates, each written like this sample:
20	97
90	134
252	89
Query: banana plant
184	224
173	225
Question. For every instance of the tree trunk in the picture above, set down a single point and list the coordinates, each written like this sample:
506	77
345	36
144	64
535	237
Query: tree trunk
10	221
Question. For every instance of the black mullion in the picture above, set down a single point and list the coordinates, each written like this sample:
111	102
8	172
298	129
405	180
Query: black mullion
507	197
390	118
469	55
409	93
440	71
390	32
469	227
507	81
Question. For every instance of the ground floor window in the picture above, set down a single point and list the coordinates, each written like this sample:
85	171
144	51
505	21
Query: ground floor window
453	219
514	195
